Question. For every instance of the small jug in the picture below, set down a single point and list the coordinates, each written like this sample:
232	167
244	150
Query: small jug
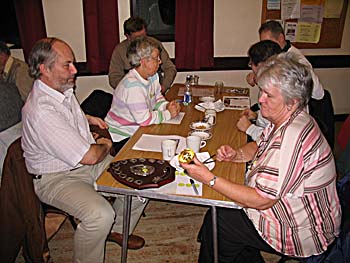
210	116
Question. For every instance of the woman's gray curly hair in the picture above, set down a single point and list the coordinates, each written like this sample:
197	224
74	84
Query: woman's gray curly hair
141	47
293	78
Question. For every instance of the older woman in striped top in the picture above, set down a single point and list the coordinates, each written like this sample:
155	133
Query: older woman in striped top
290	204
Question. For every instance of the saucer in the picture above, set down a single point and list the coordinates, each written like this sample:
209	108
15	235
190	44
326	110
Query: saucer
217	105
174	162
205	135
207	99
200	126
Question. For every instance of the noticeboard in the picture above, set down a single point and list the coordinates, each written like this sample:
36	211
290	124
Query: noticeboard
331	29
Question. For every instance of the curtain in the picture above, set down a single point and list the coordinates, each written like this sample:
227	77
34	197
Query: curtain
101	33
31	23
194	25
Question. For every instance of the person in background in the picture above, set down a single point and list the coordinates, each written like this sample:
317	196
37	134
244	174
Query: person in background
14	71
289	202
137	100
272	30
257	53
120	65
64	156
10	118
15	85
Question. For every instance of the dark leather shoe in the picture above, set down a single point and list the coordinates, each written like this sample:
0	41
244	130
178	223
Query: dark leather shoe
134	242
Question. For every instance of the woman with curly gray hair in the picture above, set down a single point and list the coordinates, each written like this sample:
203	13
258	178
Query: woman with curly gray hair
137	100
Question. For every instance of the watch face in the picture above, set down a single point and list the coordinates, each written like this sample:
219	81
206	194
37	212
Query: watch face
212	182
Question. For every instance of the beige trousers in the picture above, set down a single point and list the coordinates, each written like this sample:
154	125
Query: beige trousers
73	192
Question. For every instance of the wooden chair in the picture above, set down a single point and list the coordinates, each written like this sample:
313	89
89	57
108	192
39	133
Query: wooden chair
21	213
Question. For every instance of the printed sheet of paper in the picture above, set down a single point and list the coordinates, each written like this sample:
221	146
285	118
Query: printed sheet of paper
273	4
333	8
290	9
236	103
308	32
183	185
290	31
176	120
311	13
152	143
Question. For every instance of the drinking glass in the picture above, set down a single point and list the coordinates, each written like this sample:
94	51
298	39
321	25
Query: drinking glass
219	85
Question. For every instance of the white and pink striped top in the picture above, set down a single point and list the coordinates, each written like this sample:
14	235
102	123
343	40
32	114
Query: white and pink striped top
136	102
295	165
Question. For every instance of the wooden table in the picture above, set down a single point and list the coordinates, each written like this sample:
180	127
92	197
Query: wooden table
224	132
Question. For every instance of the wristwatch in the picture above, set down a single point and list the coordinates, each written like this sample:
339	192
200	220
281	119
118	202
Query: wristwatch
212	181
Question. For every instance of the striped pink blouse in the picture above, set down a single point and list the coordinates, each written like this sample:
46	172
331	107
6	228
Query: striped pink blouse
295	165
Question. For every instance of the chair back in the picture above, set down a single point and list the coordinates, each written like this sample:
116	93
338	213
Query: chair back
21	215
322	111
97	103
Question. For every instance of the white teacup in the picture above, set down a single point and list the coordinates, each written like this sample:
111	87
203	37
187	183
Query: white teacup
195	143
168	149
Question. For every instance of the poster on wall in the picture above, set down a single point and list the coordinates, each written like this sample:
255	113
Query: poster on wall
290	31
332	8
308	32
273	4
290	9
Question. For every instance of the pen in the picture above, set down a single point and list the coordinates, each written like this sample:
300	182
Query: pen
194	186
208	160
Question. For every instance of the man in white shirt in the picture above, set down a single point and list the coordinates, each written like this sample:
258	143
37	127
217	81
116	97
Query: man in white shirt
272	30
65	157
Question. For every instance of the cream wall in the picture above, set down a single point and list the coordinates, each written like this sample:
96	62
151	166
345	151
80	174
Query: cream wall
235	29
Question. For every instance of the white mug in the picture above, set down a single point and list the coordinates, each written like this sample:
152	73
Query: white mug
195	143
168	149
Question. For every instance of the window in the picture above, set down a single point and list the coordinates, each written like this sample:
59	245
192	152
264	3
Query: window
159	16
8	21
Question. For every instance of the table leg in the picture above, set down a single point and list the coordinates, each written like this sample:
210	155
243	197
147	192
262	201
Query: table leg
215	234
126	226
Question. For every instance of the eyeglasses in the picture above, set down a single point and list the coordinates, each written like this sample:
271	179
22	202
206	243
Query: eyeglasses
156	58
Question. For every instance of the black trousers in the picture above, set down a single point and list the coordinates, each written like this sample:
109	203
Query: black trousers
118	145
238	240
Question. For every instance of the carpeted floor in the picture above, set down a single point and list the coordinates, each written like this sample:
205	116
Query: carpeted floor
170	231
